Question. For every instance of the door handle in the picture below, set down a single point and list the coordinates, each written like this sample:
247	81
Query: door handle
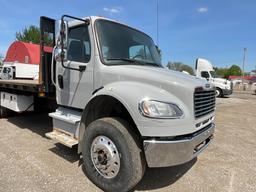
82	68
60	81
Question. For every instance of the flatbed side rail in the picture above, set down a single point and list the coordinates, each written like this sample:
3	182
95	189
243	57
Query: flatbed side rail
22	85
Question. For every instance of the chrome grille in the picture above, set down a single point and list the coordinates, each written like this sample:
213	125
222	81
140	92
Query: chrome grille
204	102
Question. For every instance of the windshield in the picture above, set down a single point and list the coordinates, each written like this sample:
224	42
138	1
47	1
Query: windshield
213	74
122	45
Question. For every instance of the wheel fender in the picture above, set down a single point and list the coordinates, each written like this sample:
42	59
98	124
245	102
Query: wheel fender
130	94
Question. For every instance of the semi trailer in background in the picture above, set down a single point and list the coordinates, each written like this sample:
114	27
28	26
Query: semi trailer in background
108	93
204	69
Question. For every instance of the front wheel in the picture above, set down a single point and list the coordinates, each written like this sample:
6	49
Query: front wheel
112	155
219	92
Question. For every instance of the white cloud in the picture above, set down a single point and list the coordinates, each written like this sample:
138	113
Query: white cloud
202	10
112	10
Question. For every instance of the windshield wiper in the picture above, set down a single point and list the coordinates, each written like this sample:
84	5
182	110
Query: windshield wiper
121	59
133	61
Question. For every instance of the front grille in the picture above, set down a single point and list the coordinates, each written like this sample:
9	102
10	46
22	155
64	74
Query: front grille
204	102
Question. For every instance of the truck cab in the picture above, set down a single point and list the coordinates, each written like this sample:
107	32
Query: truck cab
117	102
204	69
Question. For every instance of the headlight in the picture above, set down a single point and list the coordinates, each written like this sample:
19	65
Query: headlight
157	109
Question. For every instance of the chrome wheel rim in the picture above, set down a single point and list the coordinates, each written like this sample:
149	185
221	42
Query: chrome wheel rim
105	157
217	93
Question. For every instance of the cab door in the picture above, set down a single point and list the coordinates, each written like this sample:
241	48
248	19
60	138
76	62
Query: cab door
75	80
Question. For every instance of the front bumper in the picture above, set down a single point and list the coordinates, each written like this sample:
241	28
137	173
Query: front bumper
227	91
180	150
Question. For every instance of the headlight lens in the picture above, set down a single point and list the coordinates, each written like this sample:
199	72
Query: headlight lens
157	109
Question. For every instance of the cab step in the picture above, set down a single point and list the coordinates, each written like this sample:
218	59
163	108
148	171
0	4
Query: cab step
65	126
62	138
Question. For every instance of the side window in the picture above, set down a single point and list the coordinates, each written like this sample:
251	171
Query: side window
79	48
139	52
148	54
205	74
105	51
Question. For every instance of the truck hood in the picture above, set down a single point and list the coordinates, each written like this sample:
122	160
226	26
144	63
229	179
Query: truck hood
179	84
220	80
156	75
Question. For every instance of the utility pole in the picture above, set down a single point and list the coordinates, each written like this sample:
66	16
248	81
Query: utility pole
157	13
244	59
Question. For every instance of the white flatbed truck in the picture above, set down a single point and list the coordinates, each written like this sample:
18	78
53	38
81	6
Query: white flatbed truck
109	94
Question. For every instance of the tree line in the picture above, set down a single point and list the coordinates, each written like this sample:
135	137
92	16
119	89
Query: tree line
32	34
234	70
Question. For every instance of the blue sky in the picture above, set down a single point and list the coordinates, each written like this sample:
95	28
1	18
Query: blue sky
213	29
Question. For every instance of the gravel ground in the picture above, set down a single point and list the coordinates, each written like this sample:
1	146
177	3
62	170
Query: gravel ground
31	162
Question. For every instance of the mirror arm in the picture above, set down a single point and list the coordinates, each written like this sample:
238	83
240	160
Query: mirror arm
62	33
86	21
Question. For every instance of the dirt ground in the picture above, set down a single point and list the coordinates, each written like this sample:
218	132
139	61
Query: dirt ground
31	162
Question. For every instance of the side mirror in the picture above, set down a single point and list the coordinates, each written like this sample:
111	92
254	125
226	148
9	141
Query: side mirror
61	41
158	51
60	55
64	34
61	33
57	32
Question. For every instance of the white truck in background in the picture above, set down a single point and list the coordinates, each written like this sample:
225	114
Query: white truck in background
204	69
253	87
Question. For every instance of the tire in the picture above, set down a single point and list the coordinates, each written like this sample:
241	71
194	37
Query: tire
131	161
219	92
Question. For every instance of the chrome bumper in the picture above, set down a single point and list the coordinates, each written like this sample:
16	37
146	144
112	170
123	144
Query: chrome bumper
181	150
227	91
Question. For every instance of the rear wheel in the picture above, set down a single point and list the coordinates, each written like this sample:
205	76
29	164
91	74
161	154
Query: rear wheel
112	155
